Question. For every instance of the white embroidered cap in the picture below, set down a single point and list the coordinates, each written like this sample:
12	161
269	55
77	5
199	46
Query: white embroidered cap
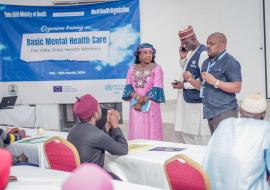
254	103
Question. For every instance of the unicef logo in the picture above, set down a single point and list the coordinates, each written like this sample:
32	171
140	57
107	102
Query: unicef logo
44	28
13	89
108	87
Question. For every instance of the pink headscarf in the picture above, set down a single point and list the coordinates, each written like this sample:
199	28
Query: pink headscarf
88	176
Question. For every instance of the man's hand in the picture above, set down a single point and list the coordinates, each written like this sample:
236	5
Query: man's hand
23	158
21	133
187	76
13	130
108	125
178	84
210	79
113	117
183	54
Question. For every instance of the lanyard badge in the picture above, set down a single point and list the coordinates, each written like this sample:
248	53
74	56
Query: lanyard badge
209	66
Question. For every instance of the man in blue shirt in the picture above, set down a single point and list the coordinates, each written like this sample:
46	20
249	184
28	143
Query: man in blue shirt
238	154
220	81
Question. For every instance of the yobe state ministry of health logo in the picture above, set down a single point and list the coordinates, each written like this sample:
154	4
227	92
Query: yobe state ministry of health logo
12	89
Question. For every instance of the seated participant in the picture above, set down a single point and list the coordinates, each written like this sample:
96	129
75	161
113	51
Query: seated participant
92	142
238	153
13	135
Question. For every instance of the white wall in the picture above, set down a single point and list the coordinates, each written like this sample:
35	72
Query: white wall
267	33
239	20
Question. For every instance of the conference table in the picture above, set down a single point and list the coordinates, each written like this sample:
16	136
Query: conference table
145	161
33	178
143	164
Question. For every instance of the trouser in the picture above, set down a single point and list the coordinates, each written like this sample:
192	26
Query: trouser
194	139
214	122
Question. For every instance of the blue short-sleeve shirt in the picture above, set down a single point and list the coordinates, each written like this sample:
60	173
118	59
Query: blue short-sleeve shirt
216	101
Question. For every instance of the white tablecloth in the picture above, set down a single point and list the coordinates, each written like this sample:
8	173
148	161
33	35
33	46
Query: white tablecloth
34	151
33	178
141	167
146	167
20	116
45	116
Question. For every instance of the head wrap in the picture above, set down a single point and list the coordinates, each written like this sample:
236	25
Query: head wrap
186	33
88	176
145	45
5	163
85	107
254	103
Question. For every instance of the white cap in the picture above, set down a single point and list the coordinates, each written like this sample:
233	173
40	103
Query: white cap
254	103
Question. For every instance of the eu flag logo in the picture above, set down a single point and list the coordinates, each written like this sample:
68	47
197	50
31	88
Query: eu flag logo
57	88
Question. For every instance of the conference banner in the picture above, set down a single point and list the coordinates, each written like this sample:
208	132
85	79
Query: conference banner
51	54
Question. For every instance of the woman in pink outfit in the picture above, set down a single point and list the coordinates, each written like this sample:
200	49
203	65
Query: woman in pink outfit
144	90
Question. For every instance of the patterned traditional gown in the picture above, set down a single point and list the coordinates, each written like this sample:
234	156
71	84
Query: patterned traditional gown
145	82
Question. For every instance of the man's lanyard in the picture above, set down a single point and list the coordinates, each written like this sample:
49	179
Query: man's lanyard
209	66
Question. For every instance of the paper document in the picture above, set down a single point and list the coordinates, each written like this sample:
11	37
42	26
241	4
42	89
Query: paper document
132	148
166	149
34	140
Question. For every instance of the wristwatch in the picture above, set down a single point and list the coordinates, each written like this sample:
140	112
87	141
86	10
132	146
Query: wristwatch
216	84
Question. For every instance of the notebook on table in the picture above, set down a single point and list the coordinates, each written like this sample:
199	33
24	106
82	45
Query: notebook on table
8	102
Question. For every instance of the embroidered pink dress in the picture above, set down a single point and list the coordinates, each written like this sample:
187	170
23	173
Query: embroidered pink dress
146	82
